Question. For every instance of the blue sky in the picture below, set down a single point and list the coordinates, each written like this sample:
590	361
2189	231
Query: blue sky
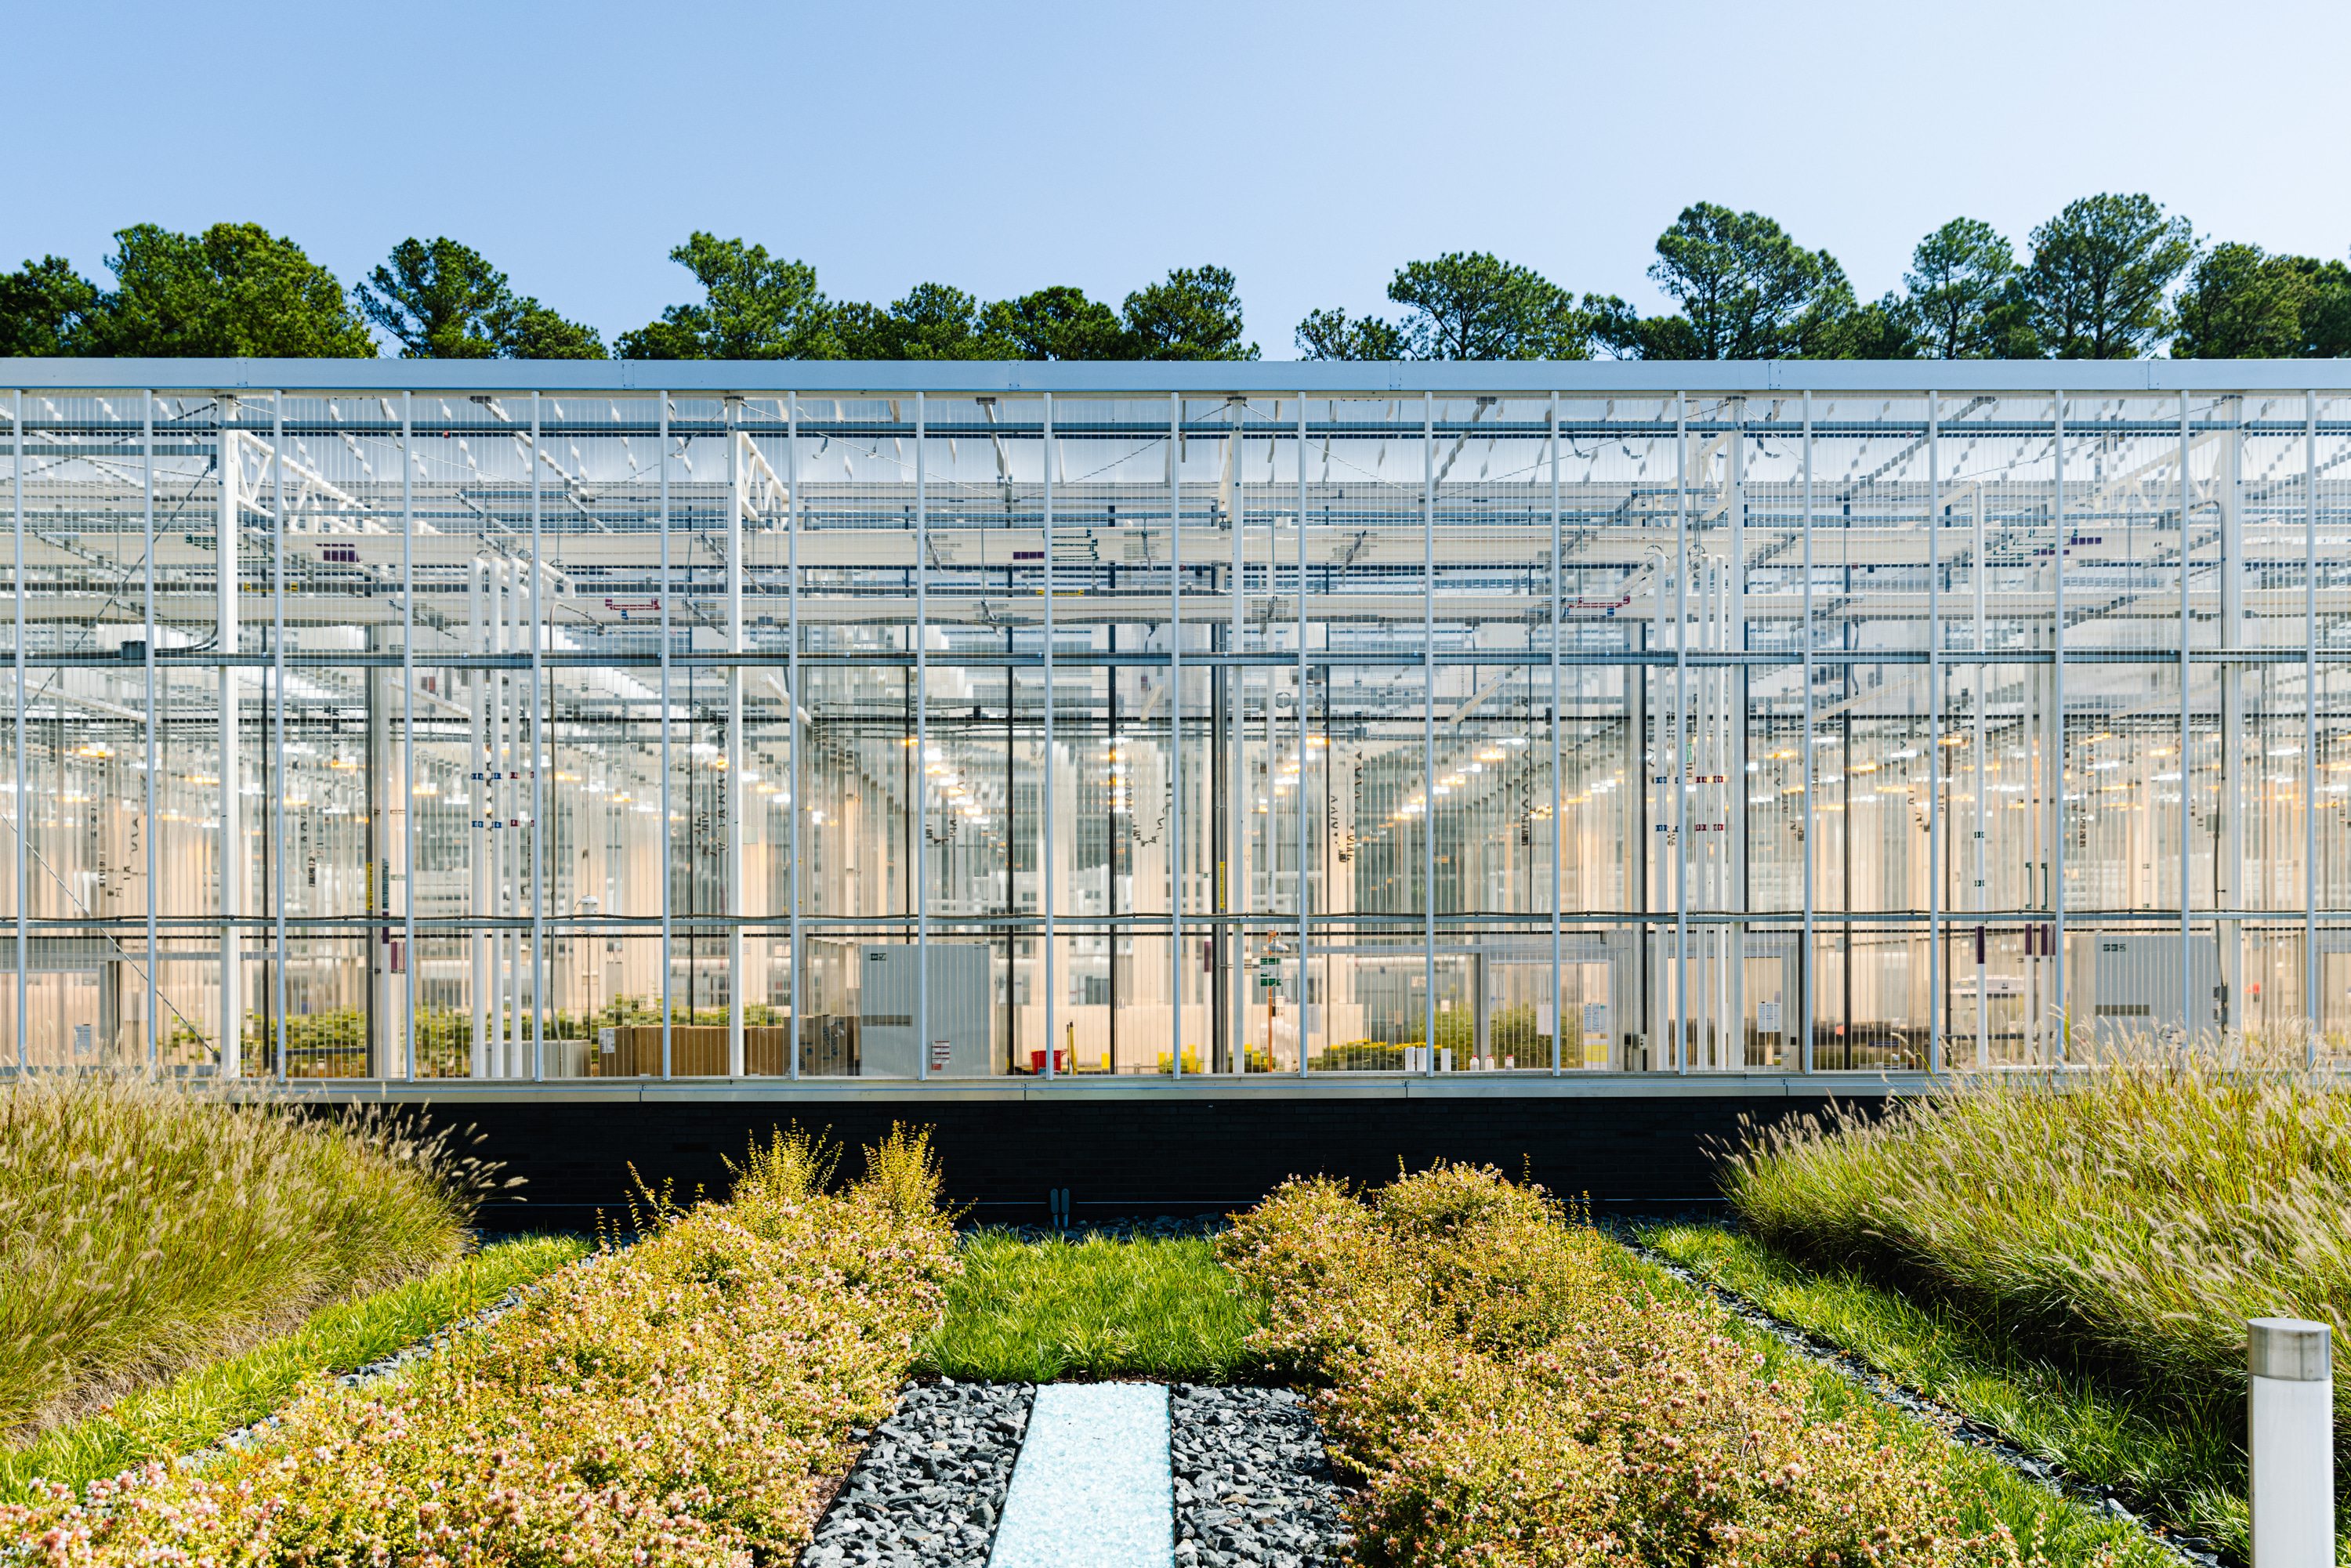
1002	146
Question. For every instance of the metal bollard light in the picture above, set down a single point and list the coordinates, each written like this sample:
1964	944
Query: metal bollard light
2289	1422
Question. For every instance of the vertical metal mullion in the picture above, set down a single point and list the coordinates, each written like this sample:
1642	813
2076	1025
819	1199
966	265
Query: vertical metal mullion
24	940
1680	769
1175	726
1428	723
2312	1002
792	709
277	652
2057	716
1983	894
154	995
1232	851
1305	984
920	804
542	785
1558	998
666	835
1806	958
2186	723
408	716
1045	777
730	783
1934	734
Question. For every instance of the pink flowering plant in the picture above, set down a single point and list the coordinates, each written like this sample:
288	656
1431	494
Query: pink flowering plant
1516	1391
672	1403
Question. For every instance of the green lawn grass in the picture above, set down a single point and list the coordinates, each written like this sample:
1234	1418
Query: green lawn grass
2187	1462
2067	1532
1035	1311
193	1409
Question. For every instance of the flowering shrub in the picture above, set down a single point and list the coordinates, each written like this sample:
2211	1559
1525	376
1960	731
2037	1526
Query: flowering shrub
1515	1394
668	1405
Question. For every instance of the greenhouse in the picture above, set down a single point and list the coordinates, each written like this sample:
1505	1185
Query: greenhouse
502	721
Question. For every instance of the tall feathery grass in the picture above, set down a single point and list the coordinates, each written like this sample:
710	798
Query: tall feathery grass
145	1227
2137	1213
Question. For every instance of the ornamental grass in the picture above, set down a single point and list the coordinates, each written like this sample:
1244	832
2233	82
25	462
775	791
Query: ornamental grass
2134	1214
1516	1393
145	1227
671	1404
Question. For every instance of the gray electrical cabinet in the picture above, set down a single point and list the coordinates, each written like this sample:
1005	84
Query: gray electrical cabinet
2136	989
960	1032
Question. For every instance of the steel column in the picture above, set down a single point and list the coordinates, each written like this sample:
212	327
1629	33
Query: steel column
1934	734
1558	823
153	761
1428	719
666	898
1045	777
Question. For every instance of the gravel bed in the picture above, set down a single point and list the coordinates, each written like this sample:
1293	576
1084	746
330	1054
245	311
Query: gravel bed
1959	1427
1253	1484
930	1485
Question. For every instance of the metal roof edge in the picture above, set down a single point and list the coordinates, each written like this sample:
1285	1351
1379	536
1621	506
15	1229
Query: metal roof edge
844	377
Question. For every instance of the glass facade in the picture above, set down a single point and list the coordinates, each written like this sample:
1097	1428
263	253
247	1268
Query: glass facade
495	721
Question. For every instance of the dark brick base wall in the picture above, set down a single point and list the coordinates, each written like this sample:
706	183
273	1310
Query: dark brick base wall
1121	1157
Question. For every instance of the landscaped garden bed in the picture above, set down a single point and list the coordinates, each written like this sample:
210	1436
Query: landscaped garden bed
1514	1388
2069	1258
1496	1382
676	1403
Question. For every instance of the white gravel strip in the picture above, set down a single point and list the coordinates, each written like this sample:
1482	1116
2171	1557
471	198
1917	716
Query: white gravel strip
1092	1488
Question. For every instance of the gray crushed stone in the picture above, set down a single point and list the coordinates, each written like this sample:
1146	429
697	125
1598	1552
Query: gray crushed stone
1253	1482
930	1485
1955	1425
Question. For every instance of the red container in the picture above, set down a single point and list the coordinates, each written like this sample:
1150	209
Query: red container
1037	1062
